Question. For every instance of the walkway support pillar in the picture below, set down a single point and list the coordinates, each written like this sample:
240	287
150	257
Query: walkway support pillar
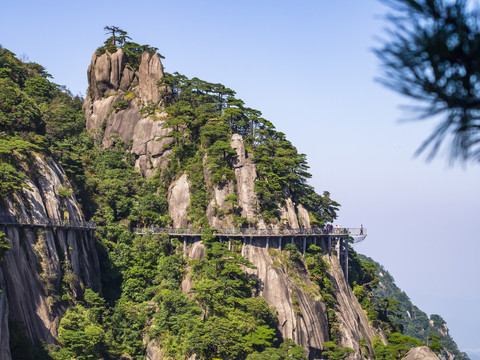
229	244
184	246
268	243
329	245
304	245
339	249
345	271
280	243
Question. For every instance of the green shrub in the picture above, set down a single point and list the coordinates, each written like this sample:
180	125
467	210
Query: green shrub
120	105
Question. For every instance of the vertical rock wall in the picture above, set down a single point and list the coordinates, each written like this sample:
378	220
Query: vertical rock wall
351	317
109	79
4	333
44	263
301	317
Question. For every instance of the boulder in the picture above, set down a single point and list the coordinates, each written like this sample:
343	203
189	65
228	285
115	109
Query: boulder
420	353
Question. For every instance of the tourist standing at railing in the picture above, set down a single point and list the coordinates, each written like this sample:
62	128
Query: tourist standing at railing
361	229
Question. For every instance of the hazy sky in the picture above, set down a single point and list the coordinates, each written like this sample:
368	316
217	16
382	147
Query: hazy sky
308	66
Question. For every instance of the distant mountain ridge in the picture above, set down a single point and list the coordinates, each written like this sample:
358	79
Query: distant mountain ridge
416	323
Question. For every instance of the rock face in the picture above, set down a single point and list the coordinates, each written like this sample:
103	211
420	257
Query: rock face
4	334
305	323
112	82
245	175
302	316
353	322
178	201
420	353
42	260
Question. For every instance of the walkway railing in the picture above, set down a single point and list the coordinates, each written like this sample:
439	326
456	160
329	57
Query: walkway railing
256	232
46	222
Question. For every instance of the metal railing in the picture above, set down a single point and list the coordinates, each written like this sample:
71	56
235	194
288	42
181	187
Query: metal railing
46	222
254	232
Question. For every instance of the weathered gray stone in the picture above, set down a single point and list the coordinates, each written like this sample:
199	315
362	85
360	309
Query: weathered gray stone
245	175
150	73
153	351
149	137
309	330
127	78
352	320
97	111
288	213
178	201
123	123
105	73
303	217
196	250
32	268
420	353
108	74
4	332
217	202
117	63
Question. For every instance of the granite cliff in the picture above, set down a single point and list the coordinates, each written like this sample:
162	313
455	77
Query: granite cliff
164	150
46	268
112	81
140	122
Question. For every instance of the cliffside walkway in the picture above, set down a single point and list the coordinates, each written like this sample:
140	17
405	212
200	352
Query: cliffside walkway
358	234
46	222
336	239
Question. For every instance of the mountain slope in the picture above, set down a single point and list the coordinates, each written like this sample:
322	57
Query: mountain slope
415	322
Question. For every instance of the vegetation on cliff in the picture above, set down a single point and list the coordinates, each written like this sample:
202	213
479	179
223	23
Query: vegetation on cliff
36	115
141	299
414	322
203	117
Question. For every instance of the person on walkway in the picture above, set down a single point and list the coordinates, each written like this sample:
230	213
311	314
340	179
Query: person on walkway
361	229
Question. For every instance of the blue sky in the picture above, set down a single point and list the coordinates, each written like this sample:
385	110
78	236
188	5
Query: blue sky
309	68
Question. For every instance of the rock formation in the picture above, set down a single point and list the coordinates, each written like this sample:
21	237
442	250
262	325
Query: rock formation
352	319
111	80
43	260
420	353
301	317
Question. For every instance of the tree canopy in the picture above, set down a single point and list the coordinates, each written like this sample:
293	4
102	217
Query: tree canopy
432	54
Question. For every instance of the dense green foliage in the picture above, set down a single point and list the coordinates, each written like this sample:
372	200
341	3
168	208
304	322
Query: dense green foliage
4	245
140	298
203	117
396	348
382	312
36	116
431	55
318	269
